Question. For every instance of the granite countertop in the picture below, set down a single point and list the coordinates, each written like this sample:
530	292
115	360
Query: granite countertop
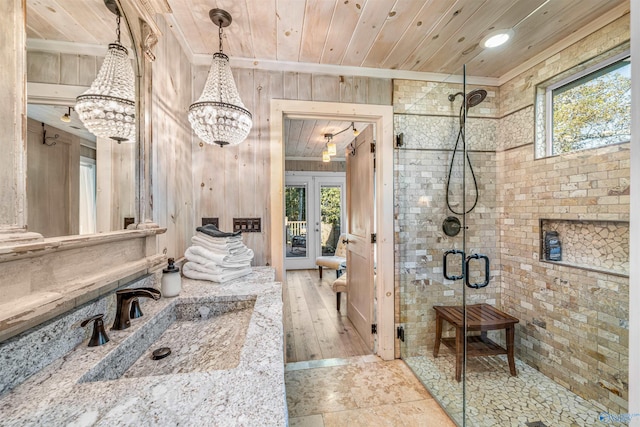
251	393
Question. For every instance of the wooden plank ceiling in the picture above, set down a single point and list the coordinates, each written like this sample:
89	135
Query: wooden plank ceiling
418	35
75	21
429	36
305	138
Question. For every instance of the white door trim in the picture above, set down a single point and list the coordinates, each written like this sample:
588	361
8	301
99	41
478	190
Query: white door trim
382	116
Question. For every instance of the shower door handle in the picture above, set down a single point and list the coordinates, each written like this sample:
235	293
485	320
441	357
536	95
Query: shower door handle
486	271
444	264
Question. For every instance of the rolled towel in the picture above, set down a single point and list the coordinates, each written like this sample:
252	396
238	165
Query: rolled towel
192	273
193	252
213	231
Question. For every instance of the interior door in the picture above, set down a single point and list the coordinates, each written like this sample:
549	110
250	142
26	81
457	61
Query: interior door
360	213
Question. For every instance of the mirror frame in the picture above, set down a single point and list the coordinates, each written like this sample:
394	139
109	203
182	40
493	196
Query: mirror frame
71	270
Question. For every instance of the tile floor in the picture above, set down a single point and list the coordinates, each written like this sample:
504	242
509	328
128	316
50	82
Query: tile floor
359	391
495	398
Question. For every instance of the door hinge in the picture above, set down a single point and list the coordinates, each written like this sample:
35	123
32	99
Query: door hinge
400	333
374	328
373	147
374	237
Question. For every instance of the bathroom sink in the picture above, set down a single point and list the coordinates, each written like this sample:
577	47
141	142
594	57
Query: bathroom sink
201	336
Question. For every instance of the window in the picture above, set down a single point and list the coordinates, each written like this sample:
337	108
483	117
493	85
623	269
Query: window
591	108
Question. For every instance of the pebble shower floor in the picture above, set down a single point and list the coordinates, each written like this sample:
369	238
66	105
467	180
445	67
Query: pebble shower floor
495	398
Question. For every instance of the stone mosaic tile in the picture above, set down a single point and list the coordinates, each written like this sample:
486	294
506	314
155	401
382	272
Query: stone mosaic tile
593	244
442	131
495	398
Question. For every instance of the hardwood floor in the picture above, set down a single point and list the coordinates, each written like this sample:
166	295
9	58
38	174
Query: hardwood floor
313	328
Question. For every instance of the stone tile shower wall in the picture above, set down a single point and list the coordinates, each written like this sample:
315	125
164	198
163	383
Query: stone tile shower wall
430	125
573	321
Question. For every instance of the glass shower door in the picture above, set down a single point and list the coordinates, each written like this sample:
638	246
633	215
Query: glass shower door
430	256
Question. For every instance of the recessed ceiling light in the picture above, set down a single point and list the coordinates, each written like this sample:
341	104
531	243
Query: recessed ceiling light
497	38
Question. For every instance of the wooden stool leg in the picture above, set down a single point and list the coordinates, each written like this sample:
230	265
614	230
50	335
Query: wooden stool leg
510	339
460	334
338	294
320	271
436	345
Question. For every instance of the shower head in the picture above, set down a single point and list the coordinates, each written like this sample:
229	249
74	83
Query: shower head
473	98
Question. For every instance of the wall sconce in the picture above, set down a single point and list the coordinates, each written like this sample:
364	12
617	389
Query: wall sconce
107	109
66	117
219	116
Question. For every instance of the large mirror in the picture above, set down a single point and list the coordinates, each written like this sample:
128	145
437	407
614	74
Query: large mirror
76	183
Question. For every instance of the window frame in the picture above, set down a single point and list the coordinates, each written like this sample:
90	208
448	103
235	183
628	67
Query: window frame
548	102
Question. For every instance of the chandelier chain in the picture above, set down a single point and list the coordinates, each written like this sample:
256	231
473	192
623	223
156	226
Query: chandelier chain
220	37
118	28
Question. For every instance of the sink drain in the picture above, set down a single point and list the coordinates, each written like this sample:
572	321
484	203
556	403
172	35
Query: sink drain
161	353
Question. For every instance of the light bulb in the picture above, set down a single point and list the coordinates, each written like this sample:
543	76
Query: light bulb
331	148
326	158
497	38
65	118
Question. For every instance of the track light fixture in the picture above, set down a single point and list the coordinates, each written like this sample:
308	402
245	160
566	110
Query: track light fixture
330	146
66	117
326	158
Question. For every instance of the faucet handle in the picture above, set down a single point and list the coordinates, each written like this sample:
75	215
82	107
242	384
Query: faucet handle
98	336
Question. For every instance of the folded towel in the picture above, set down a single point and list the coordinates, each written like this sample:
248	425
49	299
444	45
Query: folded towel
215	270
213	231
202	255
231	248
193	273
220	241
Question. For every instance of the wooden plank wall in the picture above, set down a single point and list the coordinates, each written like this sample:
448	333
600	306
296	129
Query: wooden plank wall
172	186
61	68
234	181
53	187
315	166
115	184
12	83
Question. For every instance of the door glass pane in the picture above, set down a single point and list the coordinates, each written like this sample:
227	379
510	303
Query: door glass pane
426	171
330	218
296	220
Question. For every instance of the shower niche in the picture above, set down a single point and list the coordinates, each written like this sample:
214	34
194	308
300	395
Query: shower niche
596	245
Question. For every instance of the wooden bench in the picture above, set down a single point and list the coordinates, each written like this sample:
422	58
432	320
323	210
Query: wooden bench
480	317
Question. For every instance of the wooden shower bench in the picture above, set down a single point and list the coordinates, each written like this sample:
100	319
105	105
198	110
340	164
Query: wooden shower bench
480	317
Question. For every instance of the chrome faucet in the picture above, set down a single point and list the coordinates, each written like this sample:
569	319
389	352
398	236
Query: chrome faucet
123	304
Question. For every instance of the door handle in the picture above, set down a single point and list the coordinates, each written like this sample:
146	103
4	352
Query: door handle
444	264
486	271
345	241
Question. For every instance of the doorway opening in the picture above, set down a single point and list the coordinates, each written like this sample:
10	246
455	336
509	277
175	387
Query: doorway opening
382	118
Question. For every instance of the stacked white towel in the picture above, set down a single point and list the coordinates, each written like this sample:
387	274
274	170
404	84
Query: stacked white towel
217	259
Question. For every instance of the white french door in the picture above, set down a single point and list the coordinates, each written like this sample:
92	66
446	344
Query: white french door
314	216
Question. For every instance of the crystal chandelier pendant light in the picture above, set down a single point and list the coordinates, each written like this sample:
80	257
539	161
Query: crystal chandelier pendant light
107	108
219	116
